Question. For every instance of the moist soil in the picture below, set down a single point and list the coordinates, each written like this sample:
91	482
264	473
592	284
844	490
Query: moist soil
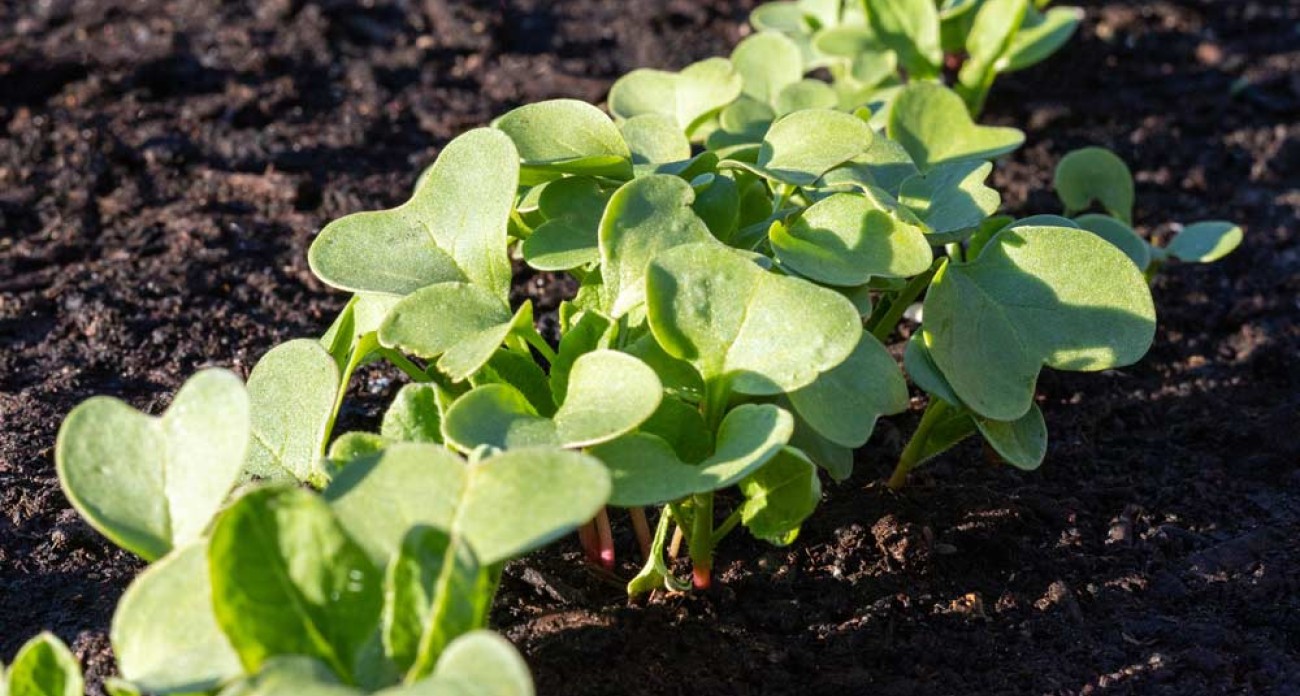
164	167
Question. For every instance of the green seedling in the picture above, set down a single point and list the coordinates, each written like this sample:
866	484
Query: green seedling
1096	177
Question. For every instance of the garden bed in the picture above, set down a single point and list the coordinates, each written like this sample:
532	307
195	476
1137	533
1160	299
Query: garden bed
162	174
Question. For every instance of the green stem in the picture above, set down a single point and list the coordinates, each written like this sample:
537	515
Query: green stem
727	525
701	541
911	455
535	340
884	326
404	364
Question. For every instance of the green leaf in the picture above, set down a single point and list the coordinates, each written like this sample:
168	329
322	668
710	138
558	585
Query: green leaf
655	138
680	378
352	446
152	484
521	372
931	122
911	29
452	229
802	146
415	415
847	239
1205	242
885	165
1021	442
1041	35
780	496
1036	296
483	664
504	506
45	667
682	426
567	239
1119	234
645	469
567	135
806	94
995	26
717	202
689	97
288	580
165	635
643	218
767	62
292	392
608	394
843	403
1095	174
292	675
835	459
588	333
435	590
951	197
719	311
921	368
460	324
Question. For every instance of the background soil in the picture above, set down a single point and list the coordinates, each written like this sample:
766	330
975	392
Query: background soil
164	166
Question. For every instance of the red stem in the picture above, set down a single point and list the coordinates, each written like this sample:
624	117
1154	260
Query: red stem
606	538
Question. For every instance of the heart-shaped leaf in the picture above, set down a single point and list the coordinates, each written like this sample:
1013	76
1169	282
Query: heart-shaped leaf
567	135
1021	442
452	229
1205	242
415	414
460	324
435	590
165	635
152	484
288	580
721	312
767	62
608	394
1036	296
847	239
567	239
843	403
931	122
951	197
646	471
1095	174
1119	234
802	146
504	506
519	371
806	94
688	97
911	29
643	218
885	165
292	392
780	496
995	26
655	139
44	667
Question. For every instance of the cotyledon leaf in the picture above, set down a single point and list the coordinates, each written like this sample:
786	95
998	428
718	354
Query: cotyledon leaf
1021	442
483	664
688	97
643	218
764	333
1036	296
655	139
951	196
931	122
567	238
847	239
287	579
460	324
608	394
1121	235
780	496
567	135
44	667
1041	35
452	229
843	403
800	147
292	391
1205	242
165	635
1095	174
152	484
504	505
645	470
767	62
911	29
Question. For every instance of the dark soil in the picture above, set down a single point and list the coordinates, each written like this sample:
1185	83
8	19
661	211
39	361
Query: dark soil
163	167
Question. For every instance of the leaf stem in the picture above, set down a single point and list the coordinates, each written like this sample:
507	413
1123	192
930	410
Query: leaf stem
535	340
404	364
605	537
883	327
911	455
701	541
727	525
641	526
